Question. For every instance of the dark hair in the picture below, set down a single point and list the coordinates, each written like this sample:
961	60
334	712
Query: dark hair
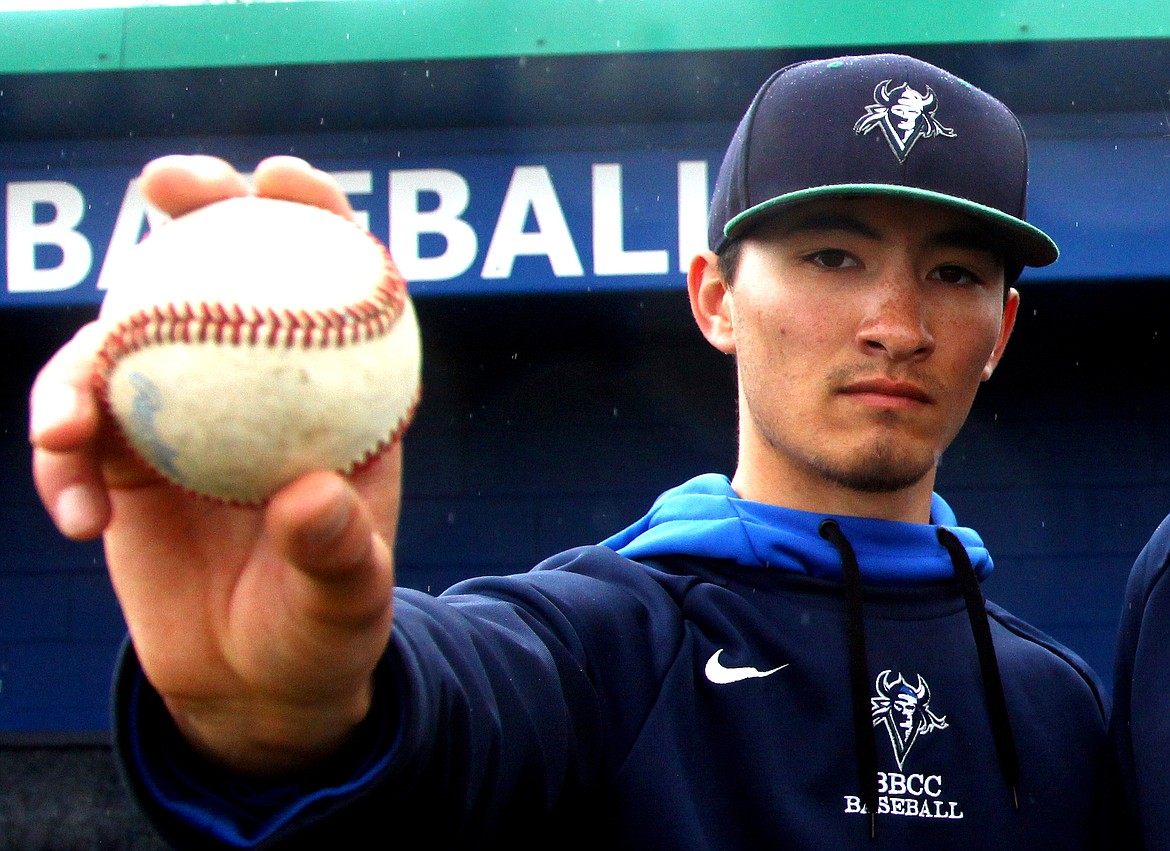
729	260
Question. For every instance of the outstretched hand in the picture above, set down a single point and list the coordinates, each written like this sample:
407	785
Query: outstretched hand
259	627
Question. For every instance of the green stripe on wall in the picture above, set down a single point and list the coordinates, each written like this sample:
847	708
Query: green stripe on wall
314	31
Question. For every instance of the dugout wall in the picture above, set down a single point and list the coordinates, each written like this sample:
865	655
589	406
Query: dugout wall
565	383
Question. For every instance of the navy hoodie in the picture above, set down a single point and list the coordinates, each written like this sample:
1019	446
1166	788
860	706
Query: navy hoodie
1141	709
710	678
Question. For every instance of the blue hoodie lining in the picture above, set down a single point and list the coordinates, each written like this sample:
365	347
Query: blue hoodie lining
705	517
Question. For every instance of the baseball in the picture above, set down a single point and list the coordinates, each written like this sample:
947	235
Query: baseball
254	340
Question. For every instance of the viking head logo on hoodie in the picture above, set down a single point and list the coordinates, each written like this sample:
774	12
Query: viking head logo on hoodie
905	711
905	116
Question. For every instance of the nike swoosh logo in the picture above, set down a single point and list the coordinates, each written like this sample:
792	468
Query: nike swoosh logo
721	675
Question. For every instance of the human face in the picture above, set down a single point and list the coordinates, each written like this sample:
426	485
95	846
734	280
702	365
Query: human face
861	329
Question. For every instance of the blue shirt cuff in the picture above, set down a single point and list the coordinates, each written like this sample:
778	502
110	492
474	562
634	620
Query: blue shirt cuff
242	812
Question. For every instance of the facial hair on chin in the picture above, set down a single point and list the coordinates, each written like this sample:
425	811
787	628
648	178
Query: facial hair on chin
881	469
875	473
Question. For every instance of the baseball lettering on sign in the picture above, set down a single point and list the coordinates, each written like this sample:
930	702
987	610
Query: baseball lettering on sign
255	340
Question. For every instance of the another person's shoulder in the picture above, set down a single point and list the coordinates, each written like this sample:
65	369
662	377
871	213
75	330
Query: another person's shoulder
1146	607
1151	567
1145	614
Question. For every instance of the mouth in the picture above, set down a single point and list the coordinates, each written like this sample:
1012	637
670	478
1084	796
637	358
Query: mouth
888	393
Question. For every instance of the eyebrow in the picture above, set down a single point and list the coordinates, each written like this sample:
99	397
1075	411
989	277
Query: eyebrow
973	237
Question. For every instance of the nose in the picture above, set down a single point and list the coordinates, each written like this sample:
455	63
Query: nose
896	324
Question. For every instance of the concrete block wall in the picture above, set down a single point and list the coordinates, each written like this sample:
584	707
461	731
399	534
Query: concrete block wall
60	626
552	422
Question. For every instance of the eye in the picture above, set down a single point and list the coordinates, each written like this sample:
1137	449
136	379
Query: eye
958	275
832	258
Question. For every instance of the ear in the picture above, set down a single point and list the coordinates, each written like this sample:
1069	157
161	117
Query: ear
1011	307
711	301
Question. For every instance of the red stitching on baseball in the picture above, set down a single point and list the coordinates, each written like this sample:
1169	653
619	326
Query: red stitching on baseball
367	319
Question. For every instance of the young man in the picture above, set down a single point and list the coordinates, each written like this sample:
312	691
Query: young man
798	657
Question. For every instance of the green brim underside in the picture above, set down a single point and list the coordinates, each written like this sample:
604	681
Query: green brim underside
1024	242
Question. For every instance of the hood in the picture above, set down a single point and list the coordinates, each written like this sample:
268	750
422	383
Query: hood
705	517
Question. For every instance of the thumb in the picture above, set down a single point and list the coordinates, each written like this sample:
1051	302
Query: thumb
323	529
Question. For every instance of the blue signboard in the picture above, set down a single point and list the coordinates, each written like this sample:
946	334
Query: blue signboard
550	210
476	213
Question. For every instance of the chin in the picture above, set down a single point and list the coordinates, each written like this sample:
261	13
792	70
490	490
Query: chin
879	470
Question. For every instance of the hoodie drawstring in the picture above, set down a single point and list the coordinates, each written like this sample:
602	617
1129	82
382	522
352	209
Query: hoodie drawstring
1001	725
863	726
865	743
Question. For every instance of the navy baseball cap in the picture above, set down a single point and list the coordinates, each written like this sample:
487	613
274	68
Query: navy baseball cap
882	125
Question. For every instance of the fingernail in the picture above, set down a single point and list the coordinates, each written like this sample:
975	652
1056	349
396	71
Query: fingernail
332	518
51	407
76	512
329	526
205	166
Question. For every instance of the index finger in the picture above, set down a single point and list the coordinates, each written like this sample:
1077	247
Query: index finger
64	413
64	428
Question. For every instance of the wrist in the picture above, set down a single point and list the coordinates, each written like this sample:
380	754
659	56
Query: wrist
265	739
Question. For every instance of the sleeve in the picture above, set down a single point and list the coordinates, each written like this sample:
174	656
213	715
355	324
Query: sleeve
1140	725
496	711
195	804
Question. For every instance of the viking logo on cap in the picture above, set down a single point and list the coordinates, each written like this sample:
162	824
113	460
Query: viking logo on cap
904	115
